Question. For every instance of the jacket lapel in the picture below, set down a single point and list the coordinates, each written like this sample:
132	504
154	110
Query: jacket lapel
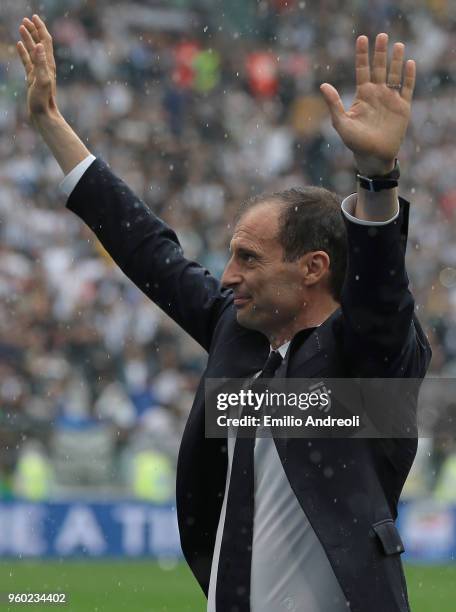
304	359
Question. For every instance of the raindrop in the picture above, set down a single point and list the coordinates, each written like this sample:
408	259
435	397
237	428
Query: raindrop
315	456
447	277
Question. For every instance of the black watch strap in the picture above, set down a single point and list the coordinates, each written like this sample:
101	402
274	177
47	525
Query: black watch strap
378	183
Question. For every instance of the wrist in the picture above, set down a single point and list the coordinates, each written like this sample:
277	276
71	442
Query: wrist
44	121
374	167
376	182
64	144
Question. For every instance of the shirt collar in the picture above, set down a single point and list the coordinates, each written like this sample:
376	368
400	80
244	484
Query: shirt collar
284	347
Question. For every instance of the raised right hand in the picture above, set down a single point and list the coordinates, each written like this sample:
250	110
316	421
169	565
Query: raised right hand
375	124
37	55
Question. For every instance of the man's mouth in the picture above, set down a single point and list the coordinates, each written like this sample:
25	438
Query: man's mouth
240	300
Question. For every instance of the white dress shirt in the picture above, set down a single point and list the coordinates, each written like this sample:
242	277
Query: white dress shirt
290	570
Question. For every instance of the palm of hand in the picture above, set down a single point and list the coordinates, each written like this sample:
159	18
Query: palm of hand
40	93
376	122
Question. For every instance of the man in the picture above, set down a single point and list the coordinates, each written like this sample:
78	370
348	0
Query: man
283	524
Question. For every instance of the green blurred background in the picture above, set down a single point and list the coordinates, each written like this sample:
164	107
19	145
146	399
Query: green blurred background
146	587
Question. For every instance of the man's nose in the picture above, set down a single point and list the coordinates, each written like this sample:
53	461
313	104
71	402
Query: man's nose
231	275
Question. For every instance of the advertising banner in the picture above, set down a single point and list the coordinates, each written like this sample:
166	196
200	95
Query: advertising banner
123	529
140	530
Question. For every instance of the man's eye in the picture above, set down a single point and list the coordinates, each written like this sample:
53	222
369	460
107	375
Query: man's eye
248	257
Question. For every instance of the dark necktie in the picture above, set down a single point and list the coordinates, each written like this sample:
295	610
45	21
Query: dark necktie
233	575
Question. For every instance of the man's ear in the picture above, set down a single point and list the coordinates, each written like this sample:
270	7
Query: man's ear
315	267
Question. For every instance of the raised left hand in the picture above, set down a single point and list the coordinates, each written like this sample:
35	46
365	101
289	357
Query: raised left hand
375	124
37	55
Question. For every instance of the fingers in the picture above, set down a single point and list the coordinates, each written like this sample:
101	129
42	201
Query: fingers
39	33
45	38
379	65
42	29
362	60
397	60
41	69
380	59
27	39
332	99
31	29
409	80
25	57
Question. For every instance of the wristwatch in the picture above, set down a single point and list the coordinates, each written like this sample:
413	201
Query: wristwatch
378	183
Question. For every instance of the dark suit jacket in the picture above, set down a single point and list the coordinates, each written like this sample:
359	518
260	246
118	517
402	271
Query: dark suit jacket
373	334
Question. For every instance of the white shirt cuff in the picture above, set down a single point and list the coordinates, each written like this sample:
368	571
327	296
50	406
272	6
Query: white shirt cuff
73	177
348	208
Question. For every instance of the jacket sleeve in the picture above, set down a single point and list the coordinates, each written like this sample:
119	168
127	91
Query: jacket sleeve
148	252
382	335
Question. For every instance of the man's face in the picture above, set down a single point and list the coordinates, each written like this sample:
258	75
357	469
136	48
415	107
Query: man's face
268	292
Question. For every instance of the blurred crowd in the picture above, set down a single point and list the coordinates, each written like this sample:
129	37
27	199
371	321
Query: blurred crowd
197	106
